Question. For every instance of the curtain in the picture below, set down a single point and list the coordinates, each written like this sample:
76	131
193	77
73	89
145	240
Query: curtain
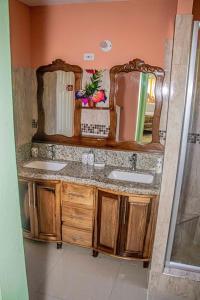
65	103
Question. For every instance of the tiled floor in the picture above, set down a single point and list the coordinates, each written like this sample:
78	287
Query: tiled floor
73	274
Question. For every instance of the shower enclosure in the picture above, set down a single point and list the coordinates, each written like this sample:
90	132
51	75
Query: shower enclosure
184	239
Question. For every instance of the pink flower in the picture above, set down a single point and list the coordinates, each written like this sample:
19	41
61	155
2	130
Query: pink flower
99	96
91	71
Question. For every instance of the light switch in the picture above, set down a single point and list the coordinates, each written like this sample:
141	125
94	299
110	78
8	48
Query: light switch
88	56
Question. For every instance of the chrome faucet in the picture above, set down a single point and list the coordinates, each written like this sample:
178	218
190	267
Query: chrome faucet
133	161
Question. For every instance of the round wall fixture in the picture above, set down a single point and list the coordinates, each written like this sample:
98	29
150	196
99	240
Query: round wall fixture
106	45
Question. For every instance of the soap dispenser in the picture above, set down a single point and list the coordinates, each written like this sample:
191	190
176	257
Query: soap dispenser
159	166
91	158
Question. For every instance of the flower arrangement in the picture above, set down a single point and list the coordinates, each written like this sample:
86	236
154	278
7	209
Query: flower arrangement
92	92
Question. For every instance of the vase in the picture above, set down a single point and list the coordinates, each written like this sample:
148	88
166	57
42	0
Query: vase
90	103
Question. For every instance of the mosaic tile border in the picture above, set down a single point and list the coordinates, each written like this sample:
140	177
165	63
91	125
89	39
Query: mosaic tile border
194	138
34	123
162	134
95	129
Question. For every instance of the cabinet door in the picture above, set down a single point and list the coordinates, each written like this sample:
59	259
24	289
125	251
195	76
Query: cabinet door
107	221
47	210
26	207
135	218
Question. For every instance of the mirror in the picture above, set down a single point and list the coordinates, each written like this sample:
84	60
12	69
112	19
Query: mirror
58	112
135	106
58	103
136	94
129	119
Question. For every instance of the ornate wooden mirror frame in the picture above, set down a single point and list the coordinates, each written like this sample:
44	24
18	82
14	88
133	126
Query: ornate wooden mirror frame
57	65
110	143
140	66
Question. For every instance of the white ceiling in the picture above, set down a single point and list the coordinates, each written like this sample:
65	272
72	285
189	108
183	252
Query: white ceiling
54	2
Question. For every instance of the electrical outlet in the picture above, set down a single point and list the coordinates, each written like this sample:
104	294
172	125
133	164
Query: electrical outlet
88	56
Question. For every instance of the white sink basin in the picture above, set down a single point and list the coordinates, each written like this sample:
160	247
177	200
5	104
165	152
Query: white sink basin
131	176
45	165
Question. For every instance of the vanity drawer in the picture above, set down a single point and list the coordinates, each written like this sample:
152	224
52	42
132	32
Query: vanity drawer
76	236
77	217
78	194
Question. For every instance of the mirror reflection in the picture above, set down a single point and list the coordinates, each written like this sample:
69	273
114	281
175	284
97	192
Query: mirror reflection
135	106
58	103
127	117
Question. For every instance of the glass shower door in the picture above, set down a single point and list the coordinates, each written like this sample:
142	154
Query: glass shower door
184	240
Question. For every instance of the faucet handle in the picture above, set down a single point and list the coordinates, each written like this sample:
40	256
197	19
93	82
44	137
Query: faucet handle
133	157
133	160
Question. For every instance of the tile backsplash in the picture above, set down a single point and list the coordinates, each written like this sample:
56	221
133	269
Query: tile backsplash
145	161
23	152
194	138
95	129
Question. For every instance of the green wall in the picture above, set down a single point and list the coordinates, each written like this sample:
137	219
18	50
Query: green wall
13	285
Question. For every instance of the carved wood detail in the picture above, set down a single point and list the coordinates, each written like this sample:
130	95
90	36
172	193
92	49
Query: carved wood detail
109	143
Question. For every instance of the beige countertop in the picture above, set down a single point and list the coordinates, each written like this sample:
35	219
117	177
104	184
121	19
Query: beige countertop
76	172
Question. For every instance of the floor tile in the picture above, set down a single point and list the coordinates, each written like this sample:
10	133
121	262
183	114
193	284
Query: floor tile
131	282
74	274
80	276
38	296
40	259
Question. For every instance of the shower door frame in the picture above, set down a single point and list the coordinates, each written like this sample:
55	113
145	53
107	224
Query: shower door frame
190	100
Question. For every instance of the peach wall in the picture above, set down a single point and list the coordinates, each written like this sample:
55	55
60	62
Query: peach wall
20	28
184	7
137	28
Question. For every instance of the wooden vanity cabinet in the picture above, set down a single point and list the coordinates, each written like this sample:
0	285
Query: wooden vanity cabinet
120	225
125	225
40	209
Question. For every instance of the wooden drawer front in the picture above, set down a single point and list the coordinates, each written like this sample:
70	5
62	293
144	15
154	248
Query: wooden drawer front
77	236
78	194
77	217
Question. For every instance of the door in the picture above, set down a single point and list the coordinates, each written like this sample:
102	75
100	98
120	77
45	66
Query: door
135	218
184	237
47	210
107	221
26	207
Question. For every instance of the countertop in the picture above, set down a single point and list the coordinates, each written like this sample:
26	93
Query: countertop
76	172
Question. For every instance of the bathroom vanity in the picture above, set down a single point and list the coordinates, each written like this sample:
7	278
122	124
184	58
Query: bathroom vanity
113	217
